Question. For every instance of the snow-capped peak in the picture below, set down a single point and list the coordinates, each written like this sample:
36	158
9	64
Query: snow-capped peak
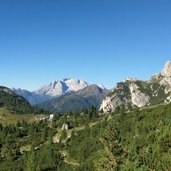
57	88
101	86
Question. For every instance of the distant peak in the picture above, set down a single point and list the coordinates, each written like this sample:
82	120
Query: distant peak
167	69
101	86
16	89
66	79
71	80
57	88
130	79
54	82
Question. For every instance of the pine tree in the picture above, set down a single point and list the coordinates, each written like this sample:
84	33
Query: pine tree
111	156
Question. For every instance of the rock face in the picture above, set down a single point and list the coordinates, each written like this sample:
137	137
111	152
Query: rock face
118	96
137	97
167	69
58	88
65	126
134	92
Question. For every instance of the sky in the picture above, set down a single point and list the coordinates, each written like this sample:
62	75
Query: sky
100	41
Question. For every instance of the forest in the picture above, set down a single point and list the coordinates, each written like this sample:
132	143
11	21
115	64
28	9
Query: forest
128	140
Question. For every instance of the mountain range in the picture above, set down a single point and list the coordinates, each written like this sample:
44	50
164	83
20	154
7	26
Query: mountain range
76	101
54	89
74	94
58	88
65	95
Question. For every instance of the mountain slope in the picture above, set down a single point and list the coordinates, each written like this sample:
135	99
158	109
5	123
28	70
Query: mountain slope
133	92
13	102
91	95
31	97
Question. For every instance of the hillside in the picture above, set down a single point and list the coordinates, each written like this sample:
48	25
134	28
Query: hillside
7	118
14	103
134	92
127	140
89	96
31	97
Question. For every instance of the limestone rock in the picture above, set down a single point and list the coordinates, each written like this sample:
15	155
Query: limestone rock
167	69
137	97
140	93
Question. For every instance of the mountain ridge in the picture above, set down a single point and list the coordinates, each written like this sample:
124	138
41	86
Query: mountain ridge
134	92
57	88
53	90
13	102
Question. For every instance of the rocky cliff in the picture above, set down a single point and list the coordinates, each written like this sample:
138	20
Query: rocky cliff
134	92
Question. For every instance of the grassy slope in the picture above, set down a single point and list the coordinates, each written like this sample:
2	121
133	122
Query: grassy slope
7	118
144	136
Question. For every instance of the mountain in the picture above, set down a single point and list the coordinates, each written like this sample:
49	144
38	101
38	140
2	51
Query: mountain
58	88
13	102
76	101
31	97
48	92
134	92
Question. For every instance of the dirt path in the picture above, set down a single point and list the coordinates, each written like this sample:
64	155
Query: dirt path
67	160
56	138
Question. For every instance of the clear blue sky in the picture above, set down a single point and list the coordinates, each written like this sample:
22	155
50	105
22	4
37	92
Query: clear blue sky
100	41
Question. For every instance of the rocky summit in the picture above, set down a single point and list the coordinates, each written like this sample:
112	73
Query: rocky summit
57	88
133	92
